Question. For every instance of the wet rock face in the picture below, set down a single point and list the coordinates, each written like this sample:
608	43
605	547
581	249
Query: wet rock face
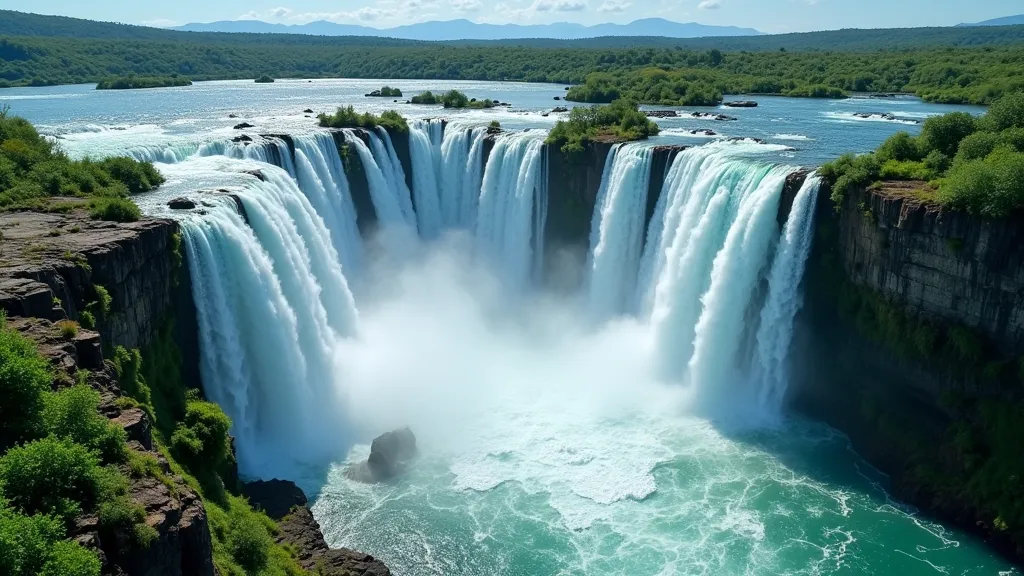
286	503
391	453
181	204
741	104
275	497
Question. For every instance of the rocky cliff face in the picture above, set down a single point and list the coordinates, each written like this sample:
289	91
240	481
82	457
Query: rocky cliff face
183	546
910	342
52	265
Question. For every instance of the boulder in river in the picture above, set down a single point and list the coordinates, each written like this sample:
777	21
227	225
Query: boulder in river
307	111
390	456
181	203
741	104
243	126
661	114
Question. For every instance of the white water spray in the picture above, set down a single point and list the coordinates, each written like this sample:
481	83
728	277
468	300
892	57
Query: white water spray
504	230
617	230
775	333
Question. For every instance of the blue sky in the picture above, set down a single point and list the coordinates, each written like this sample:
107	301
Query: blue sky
765	15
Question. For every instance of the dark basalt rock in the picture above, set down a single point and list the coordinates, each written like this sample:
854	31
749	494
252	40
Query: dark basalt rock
558	97
242	138
661	114
746	139
884	116
243	126
258	174
307	111
559	110
232	115
275	497
703	132
390	455
713	116
740	104
181	204
285	502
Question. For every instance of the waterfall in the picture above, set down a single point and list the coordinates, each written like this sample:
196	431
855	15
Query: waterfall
391	167
462	154
617	231
714	367
425	151
321	177
387	199
775	333
272	304
504	229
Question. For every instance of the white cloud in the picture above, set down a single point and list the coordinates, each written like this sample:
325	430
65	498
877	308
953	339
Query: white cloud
465	5
559	5
279	12
614	6
159	23
710	5
250	15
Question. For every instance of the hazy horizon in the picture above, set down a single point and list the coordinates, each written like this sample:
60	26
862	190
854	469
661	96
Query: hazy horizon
768	16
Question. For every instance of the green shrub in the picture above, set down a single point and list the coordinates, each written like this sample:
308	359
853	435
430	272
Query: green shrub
848	172
901	147
991	187
73	414
103	299
87	319
977	146
427	97
817	91
454	99
68	329
347	117
50	476
249	540
944	133
621	119
24	378
906	170
69	559
25	541
114	209
128	365
201	438
1005	113
123	521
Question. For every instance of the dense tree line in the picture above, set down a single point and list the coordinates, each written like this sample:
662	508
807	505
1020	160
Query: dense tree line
947	74
132	82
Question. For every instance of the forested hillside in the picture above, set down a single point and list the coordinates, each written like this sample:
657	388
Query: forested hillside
66	51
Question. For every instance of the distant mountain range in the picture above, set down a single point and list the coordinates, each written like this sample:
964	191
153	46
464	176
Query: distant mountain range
1004	21
466	30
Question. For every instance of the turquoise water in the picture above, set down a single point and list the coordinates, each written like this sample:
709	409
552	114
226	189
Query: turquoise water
683	498
547	448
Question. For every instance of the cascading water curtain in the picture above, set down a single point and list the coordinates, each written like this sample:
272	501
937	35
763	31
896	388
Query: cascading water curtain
272	303
511	184
617	231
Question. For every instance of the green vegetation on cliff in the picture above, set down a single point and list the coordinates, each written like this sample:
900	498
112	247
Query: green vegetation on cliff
132	82
620	121
59	458
347	117
33	169
965	163
192	434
